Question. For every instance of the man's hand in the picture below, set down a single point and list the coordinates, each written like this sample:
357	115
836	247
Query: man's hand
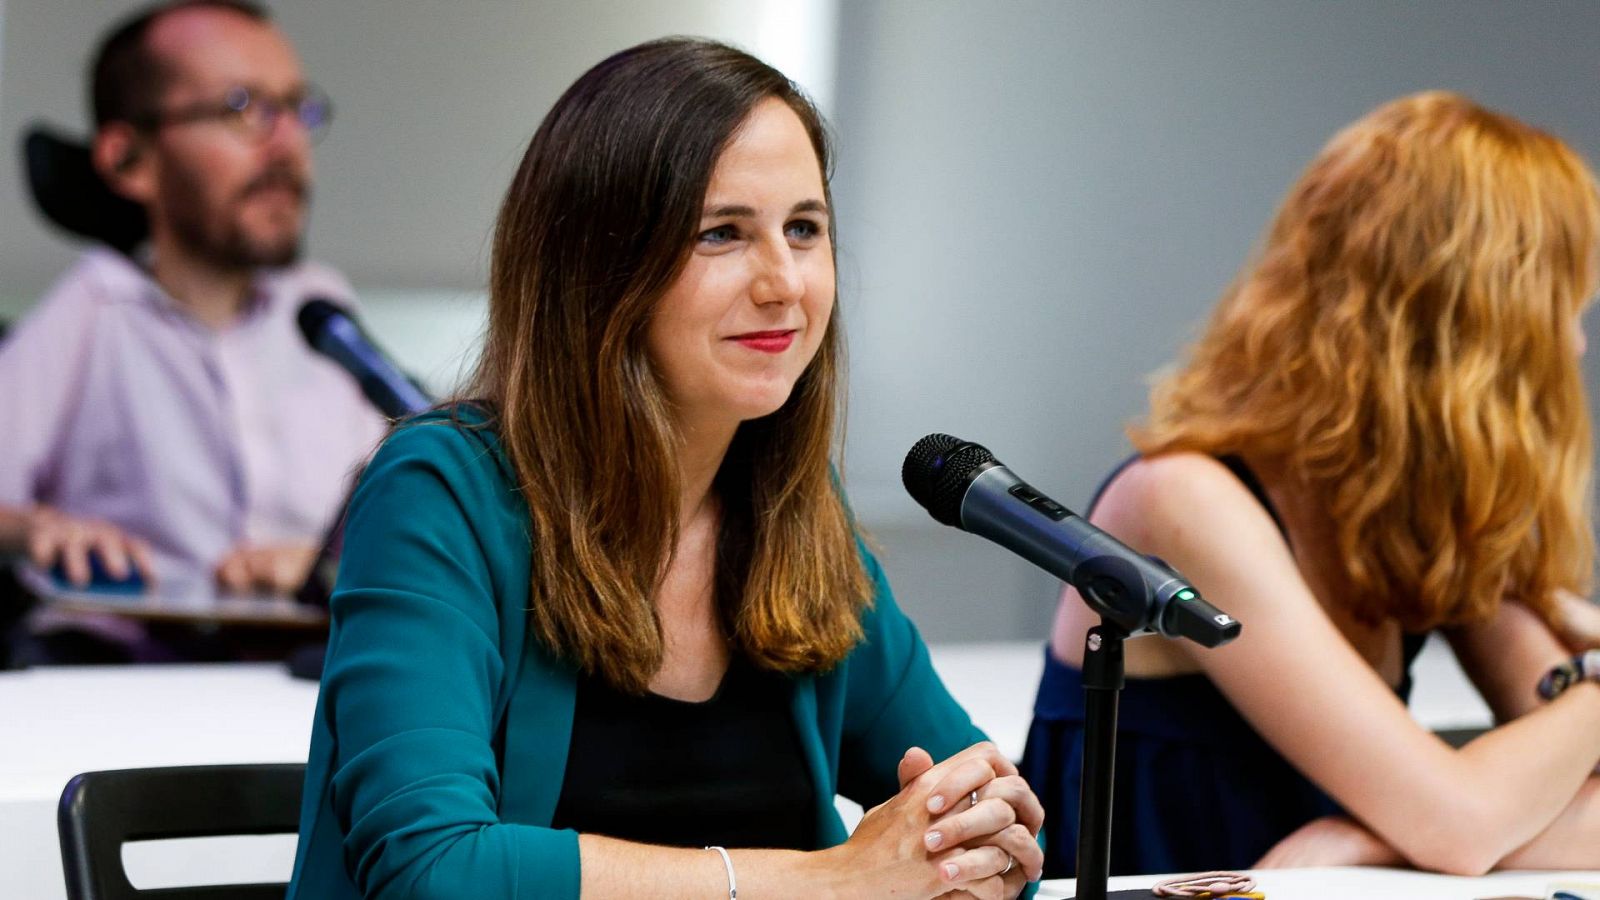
275	569
1330	841
50	537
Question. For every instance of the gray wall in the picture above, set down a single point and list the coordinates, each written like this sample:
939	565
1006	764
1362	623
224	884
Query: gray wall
1038	200
434	103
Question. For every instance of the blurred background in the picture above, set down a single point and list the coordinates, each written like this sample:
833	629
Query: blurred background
1038	202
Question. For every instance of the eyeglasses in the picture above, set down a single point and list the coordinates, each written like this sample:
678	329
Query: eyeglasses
251	115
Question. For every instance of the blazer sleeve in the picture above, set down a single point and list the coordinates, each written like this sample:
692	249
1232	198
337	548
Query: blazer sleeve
414	665
894	700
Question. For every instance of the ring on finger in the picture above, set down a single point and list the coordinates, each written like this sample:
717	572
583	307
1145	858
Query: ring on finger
973	798
1010	861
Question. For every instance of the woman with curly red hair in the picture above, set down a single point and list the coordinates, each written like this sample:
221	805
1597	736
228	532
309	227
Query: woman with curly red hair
1381	433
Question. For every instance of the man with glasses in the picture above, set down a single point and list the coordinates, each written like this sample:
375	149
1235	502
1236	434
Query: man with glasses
164	417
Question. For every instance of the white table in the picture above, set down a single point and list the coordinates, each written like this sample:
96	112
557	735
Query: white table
1380	884
62	721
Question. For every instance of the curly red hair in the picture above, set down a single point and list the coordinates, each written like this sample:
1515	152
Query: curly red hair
1405	343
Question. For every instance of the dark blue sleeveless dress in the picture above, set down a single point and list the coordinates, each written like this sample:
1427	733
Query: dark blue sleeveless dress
1196	787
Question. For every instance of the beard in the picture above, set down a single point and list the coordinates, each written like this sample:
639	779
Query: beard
221	237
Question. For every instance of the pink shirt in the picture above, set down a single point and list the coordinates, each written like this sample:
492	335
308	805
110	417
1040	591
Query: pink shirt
115	404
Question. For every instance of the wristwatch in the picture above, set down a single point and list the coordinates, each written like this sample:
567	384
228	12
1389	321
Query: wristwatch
1569	673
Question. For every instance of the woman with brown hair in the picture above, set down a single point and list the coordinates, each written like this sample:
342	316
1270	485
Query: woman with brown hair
611	617
1381	433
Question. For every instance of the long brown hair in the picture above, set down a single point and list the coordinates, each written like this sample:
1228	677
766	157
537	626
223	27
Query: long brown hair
597	223
1405	342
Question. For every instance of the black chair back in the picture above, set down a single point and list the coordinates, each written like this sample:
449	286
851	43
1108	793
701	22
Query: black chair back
100	811
71	194
1459	737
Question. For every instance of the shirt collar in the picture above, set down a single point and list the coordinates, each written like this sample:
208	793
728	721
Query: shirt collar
131	276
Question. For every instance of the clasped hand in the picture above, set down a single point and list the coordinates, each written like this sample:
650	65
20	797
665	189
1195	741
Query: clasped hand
965	828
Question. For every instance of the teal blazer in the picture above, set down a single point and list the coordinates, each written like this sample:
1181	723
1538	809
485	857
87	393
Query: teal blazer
441	731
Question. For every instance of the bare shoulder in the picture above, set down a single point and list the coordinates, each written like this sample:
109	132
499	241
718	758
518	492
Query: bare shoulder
1196	515
1154	495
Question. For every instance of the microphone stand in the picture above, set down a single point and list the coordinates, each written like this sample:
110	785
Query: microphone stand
1102	687
963	485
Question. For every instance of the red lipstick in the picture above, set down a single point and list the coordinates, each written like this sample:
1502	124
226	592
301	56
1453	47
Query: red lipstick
766	341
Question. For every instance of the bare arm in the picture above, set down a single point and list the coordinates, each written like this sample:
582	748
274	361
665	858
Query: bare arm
1330	841
613	868
1571	842
1307	691
887	856
1505	657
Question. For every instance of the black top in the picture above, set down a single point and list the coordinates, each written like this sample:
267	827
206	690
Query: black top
726	772
1196	787
1410	643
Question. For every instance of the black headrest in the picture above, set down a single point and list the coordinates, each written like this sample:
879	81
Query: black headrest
71	194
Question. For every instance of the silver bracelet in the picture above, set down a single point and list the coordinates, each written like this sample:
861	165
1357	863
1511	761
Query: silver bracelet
727	861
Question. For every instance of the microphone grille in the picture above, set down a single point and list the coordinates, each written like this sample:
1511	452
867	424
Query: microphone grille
937	471
923	461
314	315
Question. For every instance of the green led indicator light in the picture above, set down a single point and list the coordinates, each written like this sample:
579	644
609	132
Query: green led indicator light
1186	594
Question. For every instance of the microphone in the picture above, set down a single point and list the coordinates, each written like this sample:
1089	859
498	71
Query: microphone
962	485
331	330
